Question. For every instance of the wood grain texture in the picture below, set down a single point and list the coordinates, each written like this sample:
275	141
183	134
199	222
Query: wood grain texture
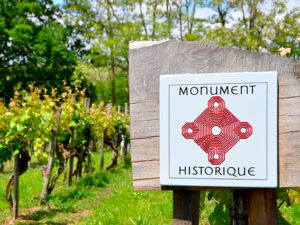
262	207
239	211
185	207
148	61
254	207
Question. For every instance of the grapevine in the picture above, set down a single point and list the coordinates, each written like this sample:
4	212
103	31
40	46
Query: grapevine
52	127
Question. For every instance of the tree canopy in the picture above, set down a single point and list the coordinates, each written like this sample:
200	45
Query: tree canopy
34	46
108	26
42	42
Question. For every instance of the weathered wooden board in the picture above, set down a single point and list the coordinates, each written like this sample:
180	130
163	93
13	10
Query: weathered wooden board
148	60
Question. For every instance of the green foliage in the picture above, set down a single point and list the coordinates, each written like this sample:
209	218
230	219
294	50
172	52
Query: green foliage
221	212
41	42
23	122
108	27
32	118
99	179
221	196
34	46
290	214
98	84
220	215
110	35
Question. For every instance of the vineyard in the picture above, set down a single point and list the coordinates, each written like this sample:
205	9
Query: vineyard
67	139
58	128
65	155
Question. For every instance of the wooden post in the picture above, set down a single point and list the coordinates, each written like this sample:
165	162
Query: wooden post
79	164
122	139
70	171
122	147
1	167
8	164
126	110
71	160
109	108
87	103
16	187
119	110
31	147
262	207
89	166
185	207
101	161
239	207
101	154
254	207
65	170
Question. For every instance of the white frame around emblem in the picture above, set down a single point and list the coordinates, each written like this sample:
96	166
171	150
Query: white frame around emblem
166	169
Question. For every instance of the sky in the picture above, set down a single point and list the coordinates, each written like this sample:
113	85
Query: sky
57	2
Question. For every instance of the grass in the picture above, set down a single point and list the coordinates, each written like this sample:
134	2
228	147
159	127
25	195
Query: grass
30	186
105	197
60	202
124	206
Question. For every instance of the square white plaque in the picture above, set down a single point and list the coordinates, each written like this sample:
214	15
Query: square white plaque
219	130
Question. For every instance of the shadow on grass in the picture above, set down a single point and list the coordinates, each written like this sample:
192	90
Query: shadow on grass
46	222
40	214
6	172
66	201
43	216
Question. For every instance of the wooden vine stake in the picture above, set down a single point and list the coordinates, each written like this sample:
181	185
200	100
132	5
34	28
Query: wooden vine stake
71	160
122	149
101	161
71	155
148	61
89	167
16	187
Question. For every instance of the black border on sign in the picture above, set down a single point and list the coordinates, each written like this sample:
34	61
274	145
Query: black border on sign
199	178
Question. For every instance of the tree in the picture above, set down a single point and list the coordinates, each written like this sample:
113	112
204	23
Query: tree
34	46
108	26
256	29
223	8
112	30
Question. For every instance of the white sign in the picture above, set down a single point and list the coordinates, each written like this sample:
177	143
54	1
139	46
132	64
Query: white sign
218	130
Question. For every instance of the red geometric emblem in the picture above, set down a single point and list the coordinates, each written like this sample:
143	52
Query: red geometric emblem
216	130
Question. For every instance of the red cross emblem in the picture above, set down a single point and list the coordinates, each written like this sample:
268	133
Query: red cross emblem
216	130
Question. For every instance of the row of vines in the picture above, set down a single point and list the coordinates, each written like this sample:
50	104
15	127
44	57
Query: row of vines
65	128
